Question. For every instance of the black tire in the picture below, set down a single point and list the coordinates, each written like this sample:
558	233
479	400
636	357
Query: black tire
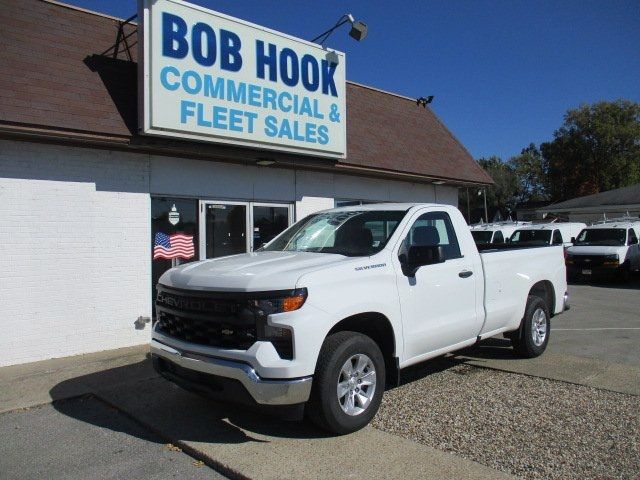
324	409
524	342
624	275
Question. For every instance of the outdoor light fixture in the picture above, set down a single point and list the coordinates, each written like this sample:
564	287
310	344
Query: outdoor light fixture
265	162
439	182
424	101
358	29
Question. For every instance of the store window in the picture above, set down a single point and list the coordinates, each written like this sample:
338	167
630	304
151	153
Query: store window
268	221
174	235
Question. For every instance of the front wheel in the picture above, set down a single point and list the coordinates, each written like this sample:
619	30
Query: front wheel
625	273
348	383
533	336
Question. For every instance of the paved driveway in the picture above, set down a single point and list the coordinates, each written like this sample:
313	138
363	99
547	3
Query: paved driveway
83	438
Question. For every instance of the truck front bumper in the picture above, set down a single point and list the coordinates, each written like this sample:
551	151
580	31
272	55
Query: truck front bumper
261	391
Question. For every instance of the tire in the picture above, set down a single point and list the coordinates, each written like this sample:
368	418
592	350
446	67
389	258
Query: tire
527	341
624	275
325	408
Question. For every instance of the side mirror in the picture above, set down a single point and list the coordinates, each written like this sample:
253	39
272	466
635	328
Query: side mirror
573	239
419	256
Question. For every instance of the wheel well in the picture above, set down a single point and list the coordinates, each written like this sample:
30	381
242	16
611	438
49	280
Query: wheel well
544	290
377	327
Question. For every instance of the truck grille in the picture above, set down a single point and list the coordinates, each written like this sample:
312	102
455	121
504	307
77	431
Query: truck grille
214	319
207	332
587	261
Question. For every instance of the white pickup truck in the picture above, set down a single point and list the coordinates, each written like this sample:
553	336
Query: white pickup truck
327	314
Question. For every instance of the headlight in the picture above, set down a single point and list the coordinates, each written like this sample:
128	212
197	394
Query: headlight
289	302
611	260
280	337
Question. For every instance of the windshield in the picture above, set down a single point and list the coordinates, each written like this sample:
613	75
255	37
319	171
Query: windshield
533	236
602	236
482	236
350	233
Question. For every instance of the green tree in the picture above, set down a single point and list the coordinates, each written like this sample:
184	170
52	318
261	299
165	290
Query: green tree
596	149
502	196
531	171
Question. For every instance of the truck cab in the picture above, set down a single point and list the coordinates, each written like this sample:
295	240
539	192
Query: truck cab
604	250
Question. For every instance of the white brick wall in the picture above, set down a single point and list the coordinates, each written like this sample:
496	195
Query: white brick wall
75	257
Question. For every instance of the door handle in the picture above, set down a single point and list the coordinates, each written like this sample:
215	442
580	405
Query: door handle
465	274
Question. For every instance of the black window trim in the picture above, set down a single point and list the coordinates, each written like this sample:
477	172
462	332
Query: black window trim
452	233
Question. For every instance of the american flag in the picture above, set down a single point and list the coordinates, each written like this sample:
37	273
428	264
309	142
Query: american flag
177	245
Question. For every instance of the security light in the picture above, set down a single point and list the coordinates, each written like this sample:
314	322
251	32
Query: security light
358	29
439	182
424	101
332	57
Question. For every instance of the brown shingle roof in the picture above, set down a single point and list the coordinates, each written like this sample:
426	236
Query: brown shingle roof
56	79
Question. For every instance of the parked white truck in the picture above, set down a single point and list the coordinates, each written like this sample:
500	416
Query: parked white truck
327	314
497	232
547	233
606	249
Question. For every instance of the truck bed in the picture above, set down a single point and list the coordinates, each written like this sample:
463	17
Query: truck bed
509	272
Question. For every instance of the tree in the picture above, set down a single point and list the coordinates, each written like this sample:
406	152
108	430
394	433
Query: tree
596	149
501	197
531	171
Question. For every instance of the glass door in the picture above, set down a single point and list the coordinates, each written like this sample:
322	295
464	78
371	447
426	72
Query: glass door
229	228
223	229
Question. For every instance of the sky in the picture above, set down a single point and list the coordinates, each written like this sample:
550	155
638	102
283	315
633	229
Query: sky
503	73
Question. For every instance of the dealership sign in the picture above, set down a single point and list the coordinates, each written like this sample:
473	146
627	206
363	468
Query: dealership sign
207	76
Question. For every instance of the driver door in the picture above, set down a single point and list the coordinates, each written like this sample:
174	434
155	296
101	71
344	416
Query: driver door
438	302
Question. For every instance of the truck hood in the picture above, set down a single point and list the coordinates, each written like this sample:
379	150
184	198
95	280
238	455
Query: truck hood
257	271
597	250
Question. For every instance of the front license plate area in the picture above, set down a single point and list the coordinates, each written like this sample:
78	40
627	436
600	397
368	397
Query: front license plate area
586	271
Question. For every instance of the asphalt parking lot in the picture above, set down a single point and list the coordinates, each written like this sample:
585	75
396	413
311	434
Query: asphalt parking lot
478	414
603	323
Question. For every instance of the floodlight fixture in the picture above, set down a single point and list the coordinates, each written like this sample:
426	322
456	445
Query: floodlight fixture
358	29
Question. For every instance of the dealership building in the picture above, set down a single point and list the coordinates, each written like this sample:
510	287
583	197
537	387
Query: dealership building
115	140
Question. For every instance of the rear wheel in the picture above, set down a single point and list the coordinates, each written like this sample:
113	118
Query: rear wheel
533	336
348	383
